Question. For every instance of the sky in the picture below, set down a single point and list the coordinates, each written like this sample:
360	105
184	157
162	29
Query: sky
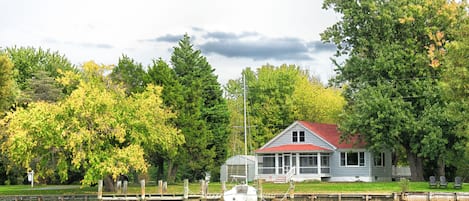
232	35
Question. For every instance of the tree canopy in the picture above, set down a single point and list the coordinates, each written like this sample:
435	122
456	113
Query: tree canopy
392	74
97	129
7	83
276	97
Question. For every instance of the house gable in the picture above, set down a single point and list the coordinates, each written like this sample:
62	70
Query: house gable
285	139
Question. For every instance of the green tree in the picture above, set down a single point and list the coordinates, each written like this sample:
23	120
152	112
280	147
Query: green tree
391	76
130	74
97	129
42	87
31	66
276	97
8	92
456	83
203	117
28	60
161	74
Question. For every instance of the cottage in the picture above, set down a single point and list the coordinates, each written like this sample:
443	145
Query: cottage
312	151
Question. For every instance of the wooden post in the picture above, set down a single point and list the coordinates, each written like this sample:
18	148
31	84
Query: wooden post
100	189
292	190
202	190
142	186
186	189
124	188
259	188
118	186
160	187
165	186
223	188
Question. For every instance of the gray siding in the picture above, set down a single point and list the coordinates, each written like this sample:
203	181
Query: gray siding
286	138
341	171
383	173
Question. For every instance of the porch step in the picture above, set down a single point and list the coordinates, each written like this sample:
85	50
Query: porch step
280	179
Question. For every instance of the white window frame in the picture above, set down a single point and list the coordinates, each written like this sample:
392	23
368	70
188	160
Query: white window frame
295	136
298	136
361	162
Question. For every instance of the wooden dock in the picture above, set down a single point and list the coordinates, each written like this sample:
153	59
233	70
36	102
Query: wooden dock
459	196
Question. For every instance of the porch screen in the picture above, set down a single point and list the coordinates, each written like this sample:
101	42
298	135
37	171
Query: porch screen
308	163
267	164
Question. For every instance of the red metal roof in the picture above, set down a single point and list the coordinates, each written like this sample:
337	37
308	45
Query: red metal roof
331	134
292	148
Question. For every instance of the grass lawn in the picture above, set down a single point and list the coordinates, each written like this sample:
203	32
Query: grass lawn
268	188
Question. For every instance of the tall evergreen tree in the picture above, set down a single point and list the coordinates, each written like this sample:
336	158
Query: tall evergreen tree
130	74
203	118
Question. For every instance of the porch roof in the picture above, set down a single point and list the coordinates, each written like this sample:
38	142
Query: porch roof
293	148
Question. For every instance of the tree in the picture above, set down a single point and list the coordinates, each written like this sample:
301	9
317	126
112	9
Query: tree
8	92
28	60
456	82
161	74
7	83
97	129
42	87
203	117
130	74
394	49
277	96
37	70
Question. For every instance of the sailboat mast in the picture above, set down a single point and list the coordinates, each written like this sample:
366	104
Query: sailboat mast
245	130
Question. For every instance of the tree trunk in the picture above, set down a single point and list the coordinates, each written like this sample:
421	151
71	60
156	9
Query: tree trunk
441	167
160	173
416	166
172	170
108	184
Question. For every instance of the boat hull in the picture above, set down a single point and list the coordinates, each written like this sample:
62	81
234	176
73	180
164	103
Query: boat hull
241	193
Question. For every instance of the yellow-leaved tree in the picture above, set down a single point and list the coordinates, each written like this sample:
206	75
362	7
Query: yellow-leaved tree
97	130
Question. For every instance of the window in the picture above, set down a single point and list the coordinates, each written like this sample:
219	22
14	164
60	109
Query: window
379	159
302	136
325	163
298	138
352	158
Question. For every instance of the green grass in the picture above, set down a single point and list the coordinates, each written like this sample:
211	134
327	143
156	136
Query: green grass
268	188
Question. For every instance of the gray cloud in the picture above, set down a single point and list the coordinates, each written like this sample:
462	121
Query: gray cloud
321	47
241	45
251	45
170	38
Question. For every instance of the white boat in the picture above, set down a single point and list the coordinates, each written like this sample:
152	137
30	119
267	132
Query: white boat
242	192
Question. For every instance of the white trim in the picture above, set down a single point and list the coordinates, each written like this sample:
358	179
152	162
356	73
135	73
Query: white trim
319	163
284	131
279	135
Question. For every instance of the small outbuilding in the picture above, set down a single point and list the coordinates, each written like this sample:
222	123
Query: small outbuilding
234	168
